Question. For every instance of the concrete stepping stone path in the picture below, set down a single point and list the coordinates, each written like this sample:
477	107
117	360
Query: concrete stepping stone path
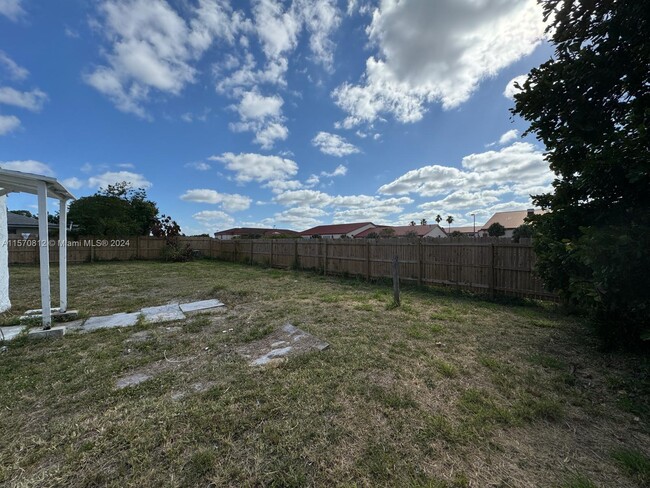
151	315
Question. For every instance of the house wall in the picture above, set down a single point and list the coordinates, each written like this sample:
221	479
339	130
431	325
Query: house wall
5	304
19	231
436	232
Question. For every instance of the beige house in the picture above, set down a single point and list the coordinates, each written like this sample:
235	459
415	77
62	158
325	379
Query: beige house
336	231
422	231
509	220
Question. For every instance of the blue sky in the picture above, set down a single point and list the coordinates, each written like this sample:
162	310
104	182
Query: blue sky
276	113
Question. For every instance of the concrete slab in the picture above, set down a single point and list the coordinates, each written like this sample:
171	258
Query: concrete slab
200	305
131	380
283	343
75	324
11	332
163	313
53	333
272	354
111	321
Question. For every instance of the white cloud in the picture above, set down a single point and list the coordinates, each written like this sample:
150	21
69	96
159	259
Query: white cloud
12	9
254	106
16	72
437	52
276	28
346	207
154	48
32	100
8	123
333	145
262	115
321	20
279	186
462	199
509	136
257	167
214	218
28	166
73	183
299	217
519	168
511	90
112	177
314	180
303	198
270	133
199	165
229	202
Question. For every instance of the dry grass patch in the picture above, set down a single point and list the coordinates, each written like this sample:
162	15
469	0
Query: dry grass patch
445	391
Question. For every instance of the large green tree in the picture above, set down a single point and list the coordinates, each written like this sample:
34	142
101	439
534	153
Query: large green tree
590	106
117	210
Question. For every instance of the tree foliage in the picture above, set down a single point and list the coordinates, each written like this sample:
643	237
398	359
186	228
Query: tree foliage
590	106
524	231
496	230
117	210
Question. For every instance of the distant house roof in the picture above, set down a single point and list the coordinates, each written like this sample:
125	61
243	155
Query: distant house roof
510	220
401	230
334	229
467	229
263	231
24	222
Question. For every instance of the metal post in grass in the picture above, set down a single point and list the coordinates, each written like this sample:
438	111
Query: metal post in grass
396	301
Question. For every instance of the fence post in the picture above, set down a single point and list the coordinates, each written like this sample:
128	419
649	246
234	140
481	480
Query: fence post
396	300
419	244
325	258
296	258
271	258
491	271
368	259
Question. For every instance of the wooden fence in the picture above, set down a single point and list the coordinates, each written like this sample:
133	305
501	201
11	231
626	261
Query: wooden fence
491	266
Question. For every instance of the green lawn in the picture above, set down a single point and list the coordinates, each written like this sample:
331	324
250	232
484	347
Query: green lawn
447	390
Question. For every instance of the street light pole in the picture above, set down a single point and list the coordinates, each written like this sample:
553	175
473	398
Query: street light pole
474	215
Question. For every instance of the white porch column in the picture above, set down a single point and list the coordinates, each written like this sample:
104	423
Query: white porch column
43	243
63	256
5	304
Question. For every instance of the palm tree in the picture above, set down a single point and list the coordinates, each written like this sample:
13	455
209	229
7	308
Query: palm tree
450	219
438	219
412	222
423	222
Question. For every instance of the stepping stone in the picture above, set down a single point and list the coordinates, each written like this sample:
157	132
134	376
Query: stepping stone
10	333
112	321
287	341
53	333
132	380
163	313
201	305
272	354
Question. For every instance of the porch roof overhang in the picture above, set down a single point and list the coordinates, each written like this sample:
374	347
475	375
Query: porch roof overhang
16	181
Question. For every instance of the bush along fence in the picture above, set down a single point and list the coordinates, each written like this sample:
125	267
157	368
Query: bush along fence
490	266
